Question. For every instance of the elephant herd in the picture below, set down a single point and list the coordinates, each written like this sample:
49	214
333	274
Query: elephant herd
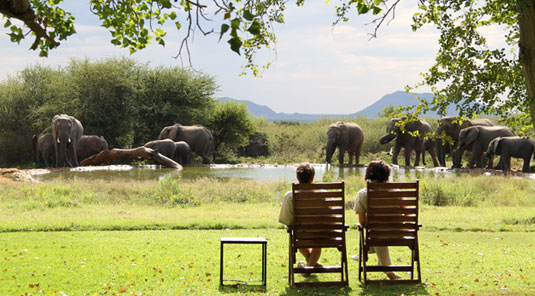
453	136
68	145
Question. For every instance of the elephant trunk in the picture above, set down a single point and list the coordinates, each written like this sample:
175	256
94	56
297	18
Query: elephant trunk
63	159
387	138
330	151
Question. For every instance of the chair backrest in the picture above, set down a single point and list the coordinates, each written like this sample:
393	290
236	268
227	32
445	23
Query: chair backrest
319	215
392	213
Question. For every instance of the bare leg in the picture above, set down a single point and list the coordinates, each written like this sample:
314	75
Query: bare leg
311	255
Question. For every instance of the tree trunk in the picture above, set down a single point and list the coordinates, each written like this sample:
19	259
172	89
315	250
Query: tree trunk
139	152
526	23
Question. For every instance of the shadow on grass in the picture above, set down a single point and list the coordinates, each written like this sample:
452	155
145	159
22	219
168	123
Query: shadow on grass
402	289
360	290
242	289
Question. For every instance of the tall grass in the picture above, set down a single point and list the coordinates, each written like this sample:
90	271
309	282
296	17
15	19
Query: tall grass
464	190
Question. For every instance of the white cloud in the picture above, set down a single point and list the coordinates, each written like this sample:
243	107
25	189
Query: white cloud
319	69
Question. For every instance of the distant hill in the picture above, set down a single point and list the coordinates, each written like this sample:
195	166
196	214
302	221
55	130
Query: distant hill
398	98
270	115
401	98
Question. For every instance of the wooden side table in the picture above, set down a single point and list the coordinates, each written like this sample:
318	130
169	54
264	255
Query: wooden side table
244	240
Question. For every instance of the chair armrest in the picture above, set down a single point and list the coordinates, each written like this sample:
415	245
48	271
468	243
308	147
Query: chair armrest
419	226
360	227
289	229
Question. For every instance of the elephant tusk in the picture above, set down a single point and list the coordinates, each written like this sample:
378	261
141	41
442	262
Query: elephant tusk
69	141
58	141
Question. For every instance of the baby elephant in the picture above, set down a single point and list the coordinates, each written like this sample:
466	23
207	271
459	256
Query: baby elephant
177	151
508	147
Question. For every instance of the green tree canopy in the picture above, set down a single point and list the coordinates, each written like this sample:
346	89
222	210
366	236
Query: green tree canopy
126	102
231	125
467	71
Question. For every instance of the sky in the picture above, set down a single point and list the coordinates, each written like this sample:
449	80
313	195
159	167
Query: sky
318	69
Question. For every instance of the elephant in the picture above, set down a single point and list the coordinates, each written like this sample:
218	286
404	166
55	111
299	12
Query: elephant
448	130
182	152
43	149
198	138
347	137
66	131
479	138
508	147
177	151
90	145
409	142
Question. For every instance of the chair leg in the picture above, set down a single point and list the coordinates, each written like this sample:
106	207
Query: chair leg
418	261
360	261
345	267
413	258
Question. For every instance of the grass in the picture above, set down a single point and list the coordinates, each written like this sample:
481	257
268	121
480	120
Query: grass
490	203
162	238
186	262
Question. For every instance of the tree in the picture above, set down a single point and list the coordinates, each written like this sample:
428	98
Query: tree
467	72
500	80
231	125
247	25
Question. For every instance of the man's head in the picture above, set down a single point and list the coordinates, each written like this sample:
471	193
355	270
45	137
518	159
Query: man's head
305	173
377	171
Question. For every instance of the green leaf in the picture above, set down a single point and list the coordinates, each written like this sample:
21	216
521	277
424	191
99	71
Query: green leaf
363	8
7	24
235	44
377	10
248	15
254	28
224	29
235	23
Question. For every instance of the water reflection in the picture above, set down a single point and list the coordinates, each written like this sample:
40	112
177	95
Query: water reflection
256	172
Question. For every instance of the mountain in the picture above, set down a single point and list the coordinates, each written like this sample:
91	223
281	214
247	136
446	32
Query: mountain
398	98
401	98
264	111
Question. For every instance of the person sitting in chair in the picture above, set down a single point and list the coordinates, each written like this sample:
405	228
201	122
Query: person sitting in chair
305	174
376	171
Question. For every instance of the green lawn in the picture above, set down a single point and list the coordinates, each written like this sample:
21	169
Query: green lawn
186	262
162	238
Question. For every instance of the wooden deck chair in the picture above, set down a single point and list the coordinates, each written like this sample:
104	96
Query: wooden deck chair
392	220
319	223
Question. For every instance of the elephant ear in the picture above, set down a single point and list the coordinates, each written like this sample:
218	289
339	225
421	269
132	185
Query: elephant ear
173	132
471	135
497	146
164	133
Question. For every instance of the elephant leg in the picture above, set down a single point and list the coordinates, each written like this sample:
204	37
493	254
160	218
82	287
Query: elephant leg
341	152
505	161
407	153
475	159
357	154
491	161
457	158
74	157
395	154
417	158
205	159
525	167
350	158
45	160
433	156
